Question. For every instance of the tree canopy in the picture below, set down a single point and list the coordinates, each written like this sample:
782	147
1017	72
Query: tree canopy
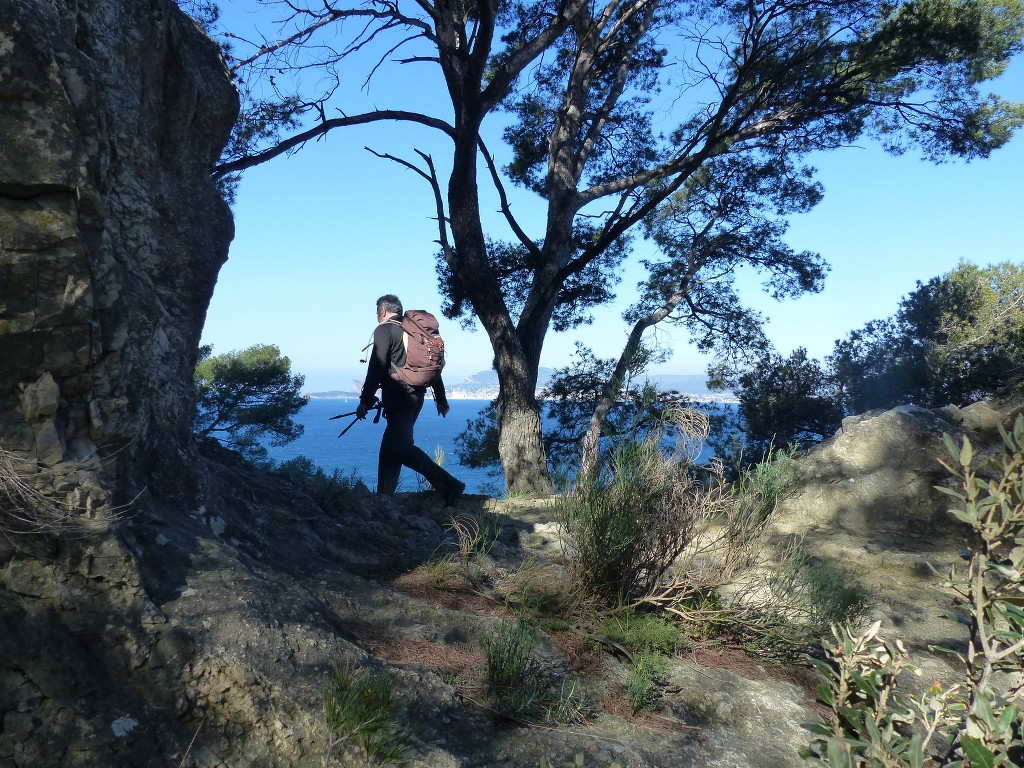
953	340
615	114
246	397
783	401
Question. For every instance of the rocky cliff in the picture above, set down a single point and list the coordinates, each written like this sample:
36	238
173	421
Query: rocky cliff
111	235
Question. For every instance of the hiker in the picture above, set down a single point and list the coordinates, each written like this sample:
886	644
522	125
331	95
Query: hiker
402	404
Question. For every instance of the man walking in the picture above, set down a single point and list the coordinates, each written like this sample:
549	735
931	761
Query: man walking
402	405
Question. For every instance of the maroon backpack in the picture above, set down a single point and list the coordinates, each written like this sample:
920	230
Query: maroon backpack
424	350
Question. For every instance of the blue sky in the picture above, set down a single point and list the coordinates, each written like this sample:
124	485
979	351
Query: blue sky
321	234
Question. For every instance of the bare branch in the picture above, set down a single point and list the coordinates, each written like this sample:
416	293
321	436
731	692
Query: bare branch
442	219
505	209
322	128
431	177
298	38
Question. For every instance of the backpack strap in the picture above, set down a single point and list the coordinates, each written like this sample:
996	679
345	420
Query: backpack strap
396	320
362	352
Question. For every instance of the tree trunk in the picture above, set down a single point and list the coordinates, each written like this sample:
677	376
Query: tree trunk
592	439
521	448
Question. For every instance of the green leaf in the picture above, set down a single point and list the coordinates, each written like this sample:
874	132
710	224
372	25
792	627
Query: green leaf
1007	719
839	755
873	732
915	751
979	755
965	516
983	711
819	729
852	717
951	446
967	454
826	695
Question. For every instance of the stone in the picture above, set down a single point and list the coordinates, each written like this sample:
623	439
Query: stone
111	229
48	448
40	399
981	417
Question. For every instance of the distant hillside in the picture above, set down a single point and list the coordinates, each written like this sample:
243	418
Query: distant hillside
484	385
334	393
687	384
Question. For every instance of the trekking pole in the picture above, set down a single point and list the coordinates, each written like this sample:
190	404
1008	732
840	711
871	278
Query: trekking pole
377	404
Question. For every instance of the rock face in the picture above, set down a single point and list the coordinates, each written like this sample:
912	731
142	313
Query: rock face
878	473
111	232
867	502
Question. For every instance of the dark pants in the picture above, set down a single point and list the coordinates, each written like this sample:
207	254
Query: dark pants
397	448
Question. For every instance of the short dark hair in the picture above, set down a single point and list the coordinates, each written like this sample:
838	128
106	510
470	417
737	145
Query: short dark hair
389	303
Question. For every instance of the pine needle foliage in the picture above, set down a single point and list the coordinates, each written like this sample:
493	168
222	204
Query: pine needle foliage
360	708
626	525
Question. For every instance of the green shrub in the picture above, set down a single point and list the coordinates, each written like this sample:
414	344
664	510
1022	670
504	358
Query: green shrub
516	687
796	604
639	632
870	722
540	593
443	571
754	498
360	709
475	534
569	704
645	532
642	689
329	491
834	595
626	525
514	684
759	489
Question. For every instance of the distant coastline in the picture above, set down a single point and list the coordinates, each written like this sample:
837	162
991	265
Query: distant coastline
453	394
484	386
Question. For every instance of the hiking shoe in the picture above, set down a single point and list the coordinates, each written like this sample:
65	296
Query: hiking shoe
453	492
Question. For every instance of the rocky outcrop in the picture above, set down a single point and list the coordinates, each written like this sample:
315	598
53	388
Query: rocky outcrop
111	233
867	502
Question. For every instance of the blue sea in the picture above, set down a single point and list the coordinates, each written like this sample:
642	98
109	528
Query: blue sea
356	450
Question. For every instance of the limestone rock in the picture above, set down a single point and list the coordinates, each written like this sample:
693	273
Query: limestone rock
111	230
878	472
866	502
